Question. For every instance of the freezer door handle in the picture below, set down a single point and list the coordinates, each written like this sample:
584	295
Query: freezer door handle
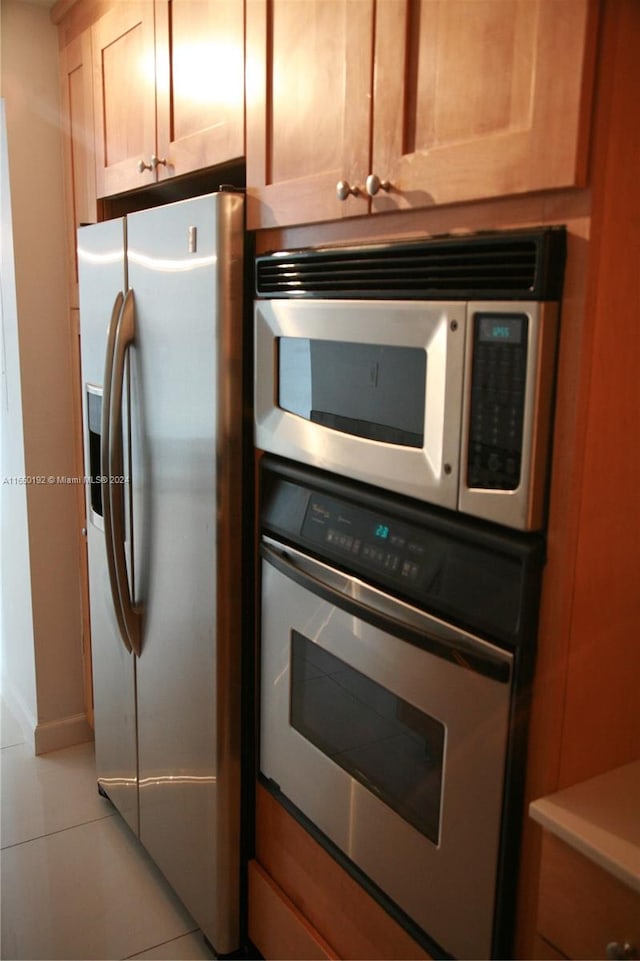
131	613
106	469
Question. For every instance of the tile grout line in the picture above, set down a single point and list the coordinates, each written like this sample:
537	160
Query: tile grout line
153	947
50	834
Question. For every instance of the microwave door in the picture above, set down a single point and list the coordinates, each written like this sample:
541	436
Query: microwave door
368	390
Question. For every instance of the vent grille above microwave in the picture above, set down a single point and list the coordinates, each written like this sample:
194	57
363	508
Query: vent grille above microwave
516	265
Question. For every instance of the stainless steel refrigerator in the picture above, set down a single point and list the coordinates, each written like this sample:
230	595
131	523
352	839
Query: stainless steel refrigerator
161	342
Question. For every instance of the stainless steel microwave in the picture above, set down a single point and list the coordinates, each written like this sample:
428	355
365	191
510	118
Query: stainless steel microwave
445	400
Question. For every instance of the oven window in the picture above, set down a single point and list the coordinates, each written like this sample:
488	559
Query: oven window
370	390
392	748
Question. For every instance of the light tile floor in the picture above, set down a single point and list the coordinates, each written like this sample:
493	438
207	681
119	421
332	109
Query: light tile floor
76	884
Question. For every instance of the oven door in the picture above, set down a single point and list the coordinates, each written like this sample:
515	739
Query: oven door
388	729
343	385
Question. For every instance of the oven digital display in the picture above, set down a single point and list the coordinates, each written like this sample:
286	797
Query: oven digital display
373	540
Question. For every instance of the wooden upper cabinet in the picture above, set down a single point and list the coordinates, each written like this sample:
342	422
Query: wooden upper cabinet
475	100
462	100
124	96
77	115
308	82
200	83
168	89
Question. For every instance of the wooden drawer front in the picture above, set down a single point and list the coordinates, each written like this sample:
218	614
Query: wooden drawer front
276	928
322	891
582	908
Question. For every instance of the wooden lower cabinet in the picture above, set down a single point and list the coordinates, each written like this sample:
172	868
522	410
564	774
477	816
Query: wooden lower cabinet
302	901
275	924
582	909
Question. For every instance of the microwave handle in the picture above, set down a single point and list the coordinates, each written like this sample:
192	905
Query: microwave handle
388	613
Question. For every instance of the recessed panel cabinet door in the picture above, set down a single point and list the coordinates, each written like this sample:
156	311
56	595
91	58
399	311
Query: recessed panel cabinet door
479	99
308	82
79	171
200	83
124	97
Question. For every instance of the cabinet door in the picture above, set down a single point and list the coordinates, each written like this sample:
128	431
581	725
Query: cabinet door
276	926
124	96
79	168
200	83
308	80
581	907
477	100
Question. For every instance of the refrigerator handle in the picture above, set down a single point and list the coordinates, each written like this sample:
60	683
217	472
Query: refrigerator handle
131	613
106	467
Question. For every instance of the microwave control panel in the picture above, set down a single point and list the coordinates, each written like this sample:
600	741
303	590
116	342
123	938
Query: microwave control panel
499	369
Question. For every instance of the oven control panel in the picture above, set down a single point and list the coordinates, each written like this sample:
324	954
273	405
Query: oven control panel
381	544
437	571
484	579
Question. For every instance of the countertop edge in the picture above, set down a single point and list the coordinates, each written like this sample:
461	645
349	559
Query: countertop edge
593	818
547	817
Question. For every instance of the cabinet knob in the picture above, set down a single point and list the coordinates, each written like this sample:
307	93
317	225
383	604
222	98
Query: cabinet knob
373	184
142	166
622	952
343	189
157	162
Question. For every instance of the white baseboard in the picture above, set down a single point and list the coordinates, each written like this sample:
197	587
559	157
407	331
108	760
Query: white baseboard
54	735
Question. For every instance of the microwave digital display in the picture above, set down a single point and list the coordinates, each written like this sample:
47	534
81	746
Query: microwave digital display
500	329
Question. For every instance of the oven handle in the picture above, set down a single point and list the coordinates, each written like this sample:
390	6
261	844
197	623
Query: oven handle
387	613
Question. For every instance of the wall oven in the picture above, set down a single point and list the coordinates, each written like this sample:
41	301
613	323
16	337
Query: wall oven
425	368
396	655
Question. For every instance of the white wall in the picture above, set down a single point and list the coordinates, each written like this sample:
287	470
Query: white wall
16	623
29	72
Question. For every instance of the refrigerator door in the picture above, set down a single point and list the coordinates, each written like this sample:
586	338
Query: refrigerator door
185	269
101	265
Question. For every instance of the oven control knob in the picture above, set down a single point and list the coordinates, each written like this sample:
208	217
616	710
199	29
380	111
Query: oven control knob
344	188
